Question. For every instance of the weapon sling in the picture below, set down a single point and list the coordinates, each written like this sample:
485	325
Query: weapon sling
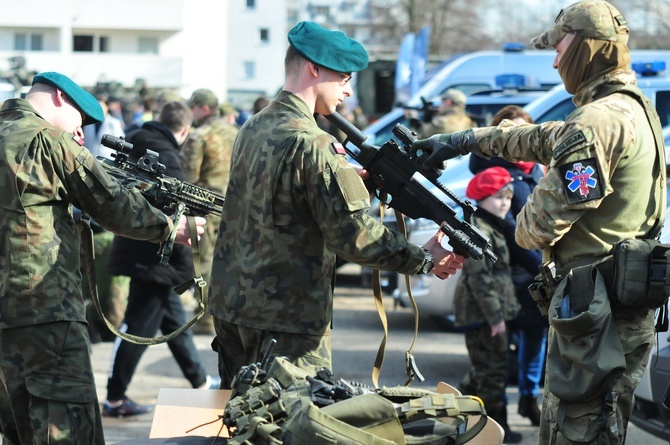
410	364
86	234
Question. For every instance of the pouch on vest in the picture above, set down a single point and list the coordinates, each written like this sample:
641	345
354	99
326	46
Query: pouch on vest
641	273
584	352
370	419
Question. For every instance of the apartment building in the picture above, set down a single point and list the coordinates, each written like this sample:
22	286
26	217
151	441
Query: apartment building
160	43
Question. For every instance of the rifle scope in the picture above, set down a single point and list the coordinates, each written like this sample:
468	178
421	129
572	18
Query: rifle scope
116	143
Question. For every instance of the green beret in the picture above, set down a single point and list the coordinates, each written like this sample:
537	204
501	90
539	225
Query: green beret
331	49
83	100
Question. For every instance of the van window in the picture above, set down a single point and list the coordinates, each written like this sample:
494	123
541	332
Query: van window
558	113
663	106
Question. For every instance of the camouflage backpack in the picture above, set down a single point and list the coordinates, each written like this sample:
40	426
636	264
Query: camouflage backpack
287	406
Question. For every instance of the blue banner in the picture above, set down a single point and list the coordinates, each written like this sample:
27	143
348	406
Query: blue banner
403	70
419	59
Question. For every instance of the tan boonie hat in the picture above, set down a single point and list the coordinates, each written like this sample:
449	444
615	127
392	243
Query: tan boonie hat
594	19
456	96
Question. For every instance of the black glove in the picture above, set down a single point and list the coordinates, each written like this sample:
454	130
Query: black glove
432	152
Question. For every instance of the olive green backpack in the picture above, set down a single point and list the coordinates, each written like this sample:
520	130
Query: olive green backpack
288	406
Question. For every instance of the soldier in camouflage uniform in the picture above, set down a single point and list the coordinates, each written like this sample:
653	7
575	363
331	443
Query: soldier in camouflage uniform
292	205
47	390
485	299
605	183
207	163
451	115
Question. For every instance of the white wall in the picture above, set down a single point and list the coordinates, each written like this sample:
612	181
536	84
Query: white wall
192	40
203	45
245	45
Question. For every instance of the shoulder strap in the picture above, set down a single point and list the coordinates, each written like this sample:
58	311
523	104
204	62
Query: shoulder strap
89	256
654	123
411	367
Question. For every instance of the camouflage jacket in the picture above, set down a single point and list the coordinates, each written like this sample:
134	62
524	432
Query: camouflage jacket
292	204
44	171
207	153
485	291
598	188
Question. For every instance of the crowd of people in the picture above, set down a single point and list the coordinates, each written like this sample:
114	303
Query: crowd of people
557	196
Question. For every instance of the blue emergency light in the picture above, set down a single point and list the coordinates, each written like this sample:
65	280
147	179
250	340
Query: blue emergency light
510	81
513	47
646	69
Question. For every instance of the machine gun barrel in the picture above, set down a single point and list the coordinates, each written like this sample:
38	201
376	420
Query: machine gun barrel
395	173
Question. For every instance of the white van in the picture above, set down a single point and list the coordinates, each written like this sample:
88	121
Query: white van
557	104
472	73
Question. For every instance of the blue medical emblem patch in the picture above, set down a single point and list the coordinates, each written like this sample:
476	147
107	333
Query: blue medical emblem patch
581	180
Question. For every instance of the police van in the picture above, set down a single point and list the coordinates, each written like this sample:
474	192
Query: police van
520	77
557	104
498	72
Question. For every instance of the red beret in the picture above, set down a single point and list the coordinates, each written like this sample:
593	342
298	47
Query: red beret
487	182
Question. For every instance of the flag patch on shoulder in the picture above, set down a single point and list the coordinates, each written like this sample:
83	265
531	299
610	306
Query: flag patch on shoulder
339	148
78	140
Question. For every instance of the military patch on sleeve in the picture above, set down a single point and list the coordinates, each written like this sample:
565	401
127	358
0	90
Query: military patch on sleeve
581	180
572	141
78	140
339	148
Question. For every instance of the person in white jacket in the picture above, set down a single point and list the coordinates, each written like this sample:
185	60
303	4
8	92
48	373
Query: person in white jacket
110	125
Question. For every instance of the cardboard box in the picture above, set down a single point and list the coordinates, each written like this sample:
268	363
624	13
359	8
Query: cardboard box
189	412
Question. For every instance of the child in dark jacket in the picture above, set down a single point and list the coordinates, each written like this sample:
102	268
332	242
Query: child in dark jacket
529	329
485	299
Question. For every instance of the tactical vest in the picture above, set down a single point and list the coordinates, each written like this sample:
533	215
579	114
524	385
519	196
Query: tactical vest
288	406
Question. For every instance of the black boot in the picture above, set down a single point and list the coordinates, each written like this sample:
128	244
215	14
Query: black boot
499	414
528	408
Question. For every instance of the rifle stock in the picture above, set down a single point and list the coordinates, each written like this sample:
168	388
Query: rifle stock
146	175
402	178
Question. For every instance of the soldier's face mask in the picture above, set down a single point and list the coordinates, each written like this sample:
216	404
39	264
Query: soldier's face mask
587	59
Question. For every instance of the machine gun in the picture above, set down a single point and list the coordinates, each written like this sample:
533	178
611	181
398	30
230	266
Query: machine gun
147	175
403	178
428	110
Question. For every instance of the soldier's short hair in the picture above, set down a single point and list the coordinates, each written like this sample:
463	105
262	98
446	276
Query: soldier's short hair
175	115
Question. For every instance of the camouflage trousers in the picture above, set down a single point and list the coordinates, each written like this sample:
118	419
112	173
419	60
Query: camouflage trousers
488	366
595	422
239	346
48	393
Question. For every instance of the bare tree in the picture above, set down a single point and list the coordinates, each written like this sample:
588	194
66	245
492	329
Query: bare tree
459	26
454	24
648	24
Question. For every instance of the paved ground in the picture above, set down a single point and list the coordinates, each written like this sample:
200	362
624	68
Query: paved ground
158	369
